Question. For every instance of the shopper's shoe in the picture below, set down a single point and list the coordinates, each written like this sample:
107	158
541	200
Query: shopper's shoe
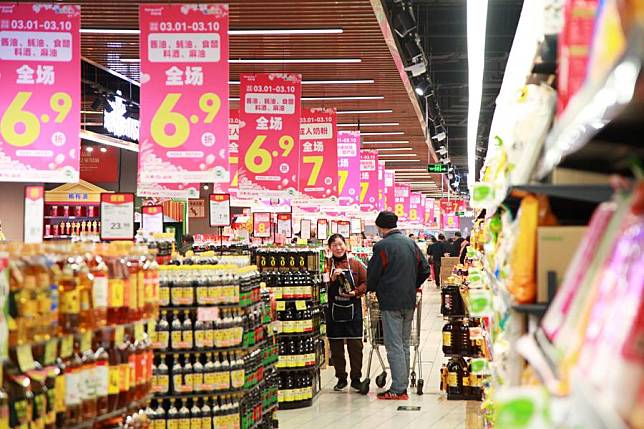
356	385
341	385
391	396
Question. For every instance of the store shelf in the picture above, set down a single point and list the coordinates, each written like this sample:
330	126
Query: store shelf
298	368
588	193
90	423
239	347
73	217
270	409
601	129
299	334
198	395
537	309
196	307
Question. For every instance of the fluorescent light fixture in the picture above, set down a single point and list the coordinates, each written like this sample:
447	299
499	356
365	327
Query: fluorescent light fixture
402	160
331	98
325	82
409	169
91	112
108	141
476	27
89	149
353	112
384	133
130	60
103	149
274	60
374	124
240	32
397	154
393	148
387	142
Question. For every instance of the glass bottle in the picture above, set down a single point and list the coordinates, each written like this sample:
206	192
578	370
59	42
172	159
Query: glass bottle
175	332
101	377
197	375
188	374
177	375
69	315
206	415
187	334
184	415
173	415
73	380
162	332
195	415
89	403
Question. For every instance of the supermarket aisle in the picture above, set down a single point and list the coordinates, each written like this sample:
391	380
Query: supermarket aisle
352	410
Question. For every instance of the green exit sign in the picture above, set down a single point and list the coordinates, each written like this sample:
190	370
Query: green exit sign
437	168
461	214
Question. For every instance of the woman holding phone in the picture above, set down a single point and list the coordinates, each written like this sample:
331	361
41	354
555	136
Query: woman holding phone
348	282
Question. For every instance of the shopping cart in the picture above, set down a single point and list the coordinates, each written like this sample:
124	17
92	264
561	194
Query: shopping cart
374	330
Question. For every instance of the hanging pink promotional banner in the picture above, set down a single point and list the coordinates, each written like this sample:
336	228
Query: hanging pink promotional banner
269	134
233	146
318	154
421	212
40	98
390	182
184	93
430	216
368	180
416	214
402	194
168	190
381	185
349	167
448	214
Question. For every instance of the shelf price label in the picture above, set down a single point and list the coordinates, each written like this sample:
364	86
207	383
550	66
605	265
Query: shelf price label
152	218
368	180
402	195
285	225
117	216
184	101
262	225
39	77
219	209
34	212
349	167
269	145
318	154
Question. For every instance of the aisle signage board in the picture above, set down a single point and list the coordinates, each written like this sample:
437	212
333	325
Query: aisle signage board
262	225
269	133
233	146
381	185
344	228
349	167
40	98
439	168
390	197
34	212
152	218
318	177
356	225
368	180
285	224
401	202
305	229
323	229
184	99
416	215
448	214
219	210
117	216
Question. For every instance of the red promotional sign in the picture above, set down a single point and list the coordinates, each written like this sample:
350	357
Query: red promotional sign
233	146
219	209
40	98
318	153
448	213
390	182
184	93
430	216
262	225
269	134
416	214
381	185
368	180
349	167
99	164
401	202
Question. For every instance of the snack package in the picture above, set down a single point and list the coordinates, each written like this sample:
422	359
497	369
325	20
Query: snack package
522	283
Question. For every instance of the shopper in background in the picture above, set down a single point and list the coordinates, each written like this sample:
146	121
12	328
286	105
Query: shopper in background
463	252
186	244
435	252
396	269
456	244
344	315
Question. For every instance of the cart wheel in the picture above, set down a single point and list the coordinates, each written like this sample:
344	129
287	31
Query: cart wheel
412	379
419	387
381	380
364	386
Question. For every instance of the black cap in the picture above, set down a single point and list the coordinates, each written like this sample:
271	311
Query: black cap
387	220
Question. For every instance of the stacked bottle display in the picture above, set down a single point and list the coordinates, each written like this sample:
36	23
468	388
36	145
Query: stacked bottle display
78	350
213	352
293	276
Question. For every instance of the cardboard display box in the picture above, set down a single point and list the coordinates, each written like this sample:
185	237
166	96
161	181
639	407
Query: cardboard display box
556	246
447	266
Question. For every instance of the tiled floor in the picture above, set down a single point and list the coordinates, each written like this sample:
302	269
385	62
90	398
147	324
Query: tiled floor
340	410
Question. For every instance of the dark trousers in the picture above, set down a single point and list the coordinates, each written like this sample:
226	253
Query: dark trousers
354	346
437	274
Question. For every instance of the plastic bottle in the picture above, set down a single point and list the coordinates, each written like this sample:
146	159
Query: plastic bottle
198	375
162	332
447	338
100	288
89	402
101	377
187	334
73	380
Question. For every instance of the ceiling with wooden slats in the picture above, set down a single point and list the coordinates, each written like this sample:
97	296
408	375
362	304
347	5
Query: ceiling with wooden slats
361	38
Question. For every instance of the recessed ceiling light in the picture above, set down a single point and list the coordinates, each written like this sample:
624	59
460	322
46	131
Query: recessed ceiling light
233	32
353	112
373	124
89	149
103	149
384	133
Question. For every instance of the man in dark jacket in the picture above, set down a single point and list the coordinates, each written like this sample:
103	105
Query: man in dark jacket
435	252
396	269
456	245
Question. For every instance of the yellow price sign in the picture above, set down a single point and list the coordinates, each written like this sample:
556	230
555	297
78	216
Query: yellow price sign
399	209
413	214
343	175
259	160
21	127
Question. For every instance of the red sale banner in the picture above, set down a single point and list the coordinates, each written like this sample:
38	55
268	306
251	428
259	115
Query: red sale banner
416	214
402	195
40	97
233	146
368	180
318	153
381	185
430	216
349	167
184	93
448	213
269	134
390	181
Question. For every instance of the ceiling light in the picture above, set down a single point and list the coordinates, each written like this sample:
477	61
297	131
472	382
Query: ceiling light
130	60
373	124
383	133
393	149
402	160
353	112
422	85
103	149
239	32
89	149
91	112
205	187
274	60
476	23
442	150
440	136
387	142
325	82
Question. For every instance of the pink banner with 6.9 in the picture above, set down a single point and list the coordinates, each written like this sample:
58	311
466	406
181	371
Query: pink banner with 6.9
40	97
269	134
381	185
318	153
402	195
349	167
390	182
184	93
368	180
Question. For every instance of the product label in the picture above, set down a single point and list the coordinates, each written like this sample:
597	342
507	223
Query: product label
101	380
59	388
187	338
116	293
177	382
99	291
72	389
176	340
237	378
177	295
447	339
452	379
159	424
124	377
114	382
70	302
164	295
162	383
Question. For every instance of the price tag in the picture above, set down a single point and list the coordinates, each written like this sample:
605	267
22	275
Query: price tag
66	346
119	334
51	349
207	314
33	213
280	306
300	305
139	331
117	216
25	358
262	225
219	210
285	224
152	219
86	342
